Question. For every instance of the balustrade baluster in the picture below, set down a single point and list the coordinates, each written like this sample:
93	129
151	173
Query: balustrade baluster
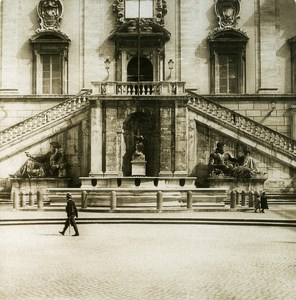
74	106
78	102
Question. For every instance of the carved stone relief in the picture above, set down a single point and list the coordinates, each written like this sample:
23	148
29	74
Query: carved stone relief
227	12
50	14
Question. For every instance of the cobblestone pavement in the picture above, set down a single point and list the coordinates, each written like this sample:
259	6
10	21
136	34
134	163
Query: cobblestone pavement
110	261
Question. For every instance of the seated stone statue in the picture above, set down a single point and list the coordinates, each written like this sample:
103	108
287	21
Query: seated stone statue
221	163
51	164
246	166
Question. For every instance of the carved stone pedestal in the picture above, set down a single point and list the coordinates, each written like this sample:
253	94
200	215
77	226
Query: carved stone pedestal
138	168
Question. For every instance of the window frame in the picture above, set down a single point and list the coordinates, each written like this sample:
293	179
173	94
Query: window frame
49	43
228	42
151	16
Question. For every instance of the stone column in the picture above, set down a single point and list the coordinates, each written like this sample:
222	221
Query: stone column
181	140
267	45
96	138
166	141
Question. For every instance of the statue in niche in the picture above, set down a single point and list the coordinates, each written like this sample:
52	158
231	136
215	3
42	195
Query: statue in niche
51	164
220	163
139	152
50	14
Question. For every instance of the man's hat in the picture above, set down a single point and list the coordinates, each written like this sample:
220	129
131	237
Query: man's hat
69	196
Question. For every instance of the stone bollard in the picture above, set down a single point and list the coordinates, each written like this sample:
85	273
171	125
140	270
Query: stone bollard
238	197
84	199
113	200
243	198
31	199
232	199
39	200
159	200
251	199
22	199
16	200
189	199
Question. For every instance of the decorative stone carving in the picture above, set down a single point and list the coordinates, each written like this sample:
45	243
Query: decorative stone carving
227	12
50	14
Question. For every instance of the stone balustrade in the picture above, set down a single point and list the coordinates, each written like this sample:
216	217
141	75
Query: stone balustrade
143	88
36	122
258	131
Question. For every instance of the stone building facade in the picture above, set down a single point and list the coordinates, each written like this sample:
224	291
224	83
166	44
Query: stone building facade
236	53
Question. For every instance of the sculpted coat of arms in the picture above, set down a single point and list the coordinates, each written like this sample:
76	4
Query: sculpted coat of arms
227	12
50	13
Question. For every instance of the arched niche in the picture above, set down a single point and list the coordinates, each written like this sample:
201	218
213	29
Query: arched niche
140	123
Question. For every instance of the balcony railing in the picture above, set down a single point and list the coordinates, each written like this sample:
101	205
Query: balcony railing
258	131
55	113
143	88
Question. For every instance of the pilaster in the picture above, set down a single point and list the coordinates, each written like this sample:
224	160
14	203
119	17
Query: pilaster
267	40
9	46
111	138
96	138
293	123
166	150
181	139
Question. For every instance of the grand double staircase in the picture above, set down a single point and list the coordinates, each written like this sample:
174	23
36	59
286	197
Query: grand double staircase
20	136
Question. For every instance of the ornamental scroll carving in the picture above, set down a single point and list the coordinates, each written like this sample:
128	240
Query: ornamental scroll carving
50	14
160	10
227	12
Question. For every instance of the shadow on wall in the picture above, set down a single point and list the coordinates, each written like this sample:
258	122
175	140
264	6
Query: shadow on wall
200	171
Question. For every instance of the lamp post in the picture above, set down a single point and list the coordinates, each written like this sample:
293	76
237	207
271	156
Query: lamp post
107	65
171	66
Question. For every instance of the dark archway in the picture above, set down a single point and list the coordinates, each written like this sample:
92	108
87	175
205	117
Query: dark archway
146	69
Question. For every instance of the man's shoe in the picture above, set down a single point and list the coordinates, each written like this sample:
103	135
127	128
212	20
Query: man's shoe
76	234
61	232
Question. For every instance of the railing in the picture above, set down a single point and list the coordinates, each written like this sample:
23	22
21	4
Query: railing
143	88
55	113
262	133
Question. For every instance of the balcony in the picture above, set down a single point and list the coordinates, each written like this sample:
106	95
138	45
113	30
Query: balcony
143	88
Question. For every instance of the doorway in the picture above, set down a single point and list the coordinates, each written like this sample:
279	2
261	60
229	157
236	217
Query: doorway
146	70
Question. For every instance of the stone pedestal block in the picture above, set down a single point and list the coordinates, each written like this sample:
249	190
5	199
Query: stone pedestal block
138	168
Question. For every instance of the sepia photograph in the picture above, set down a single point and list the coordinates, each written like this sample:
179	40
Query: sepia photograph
147	149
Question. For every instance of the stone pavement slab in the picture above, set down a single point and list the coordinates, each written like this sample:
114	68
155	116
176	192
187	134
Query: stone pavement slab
147	262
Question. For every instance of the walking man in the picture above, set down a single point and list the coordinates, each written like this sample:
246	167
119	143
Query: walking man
71	214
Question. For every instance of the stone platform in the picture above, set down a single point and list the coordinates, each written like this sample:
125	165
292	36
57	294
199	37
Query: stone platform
26	191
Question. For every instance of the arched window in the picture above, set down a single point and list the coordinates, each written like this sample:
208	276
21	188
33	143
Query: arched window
228	61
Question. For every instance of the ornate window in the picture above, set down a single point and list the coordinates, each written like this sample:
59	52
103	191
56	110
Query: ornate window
136	9
227	50
132	9
50	51
139	37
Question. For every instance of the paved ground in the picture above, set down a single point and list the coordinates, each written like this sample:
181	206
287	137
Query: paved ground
140	261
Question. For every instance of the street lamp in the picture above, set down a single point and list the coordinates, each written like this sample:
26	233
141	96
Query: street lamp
107	65
171	66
